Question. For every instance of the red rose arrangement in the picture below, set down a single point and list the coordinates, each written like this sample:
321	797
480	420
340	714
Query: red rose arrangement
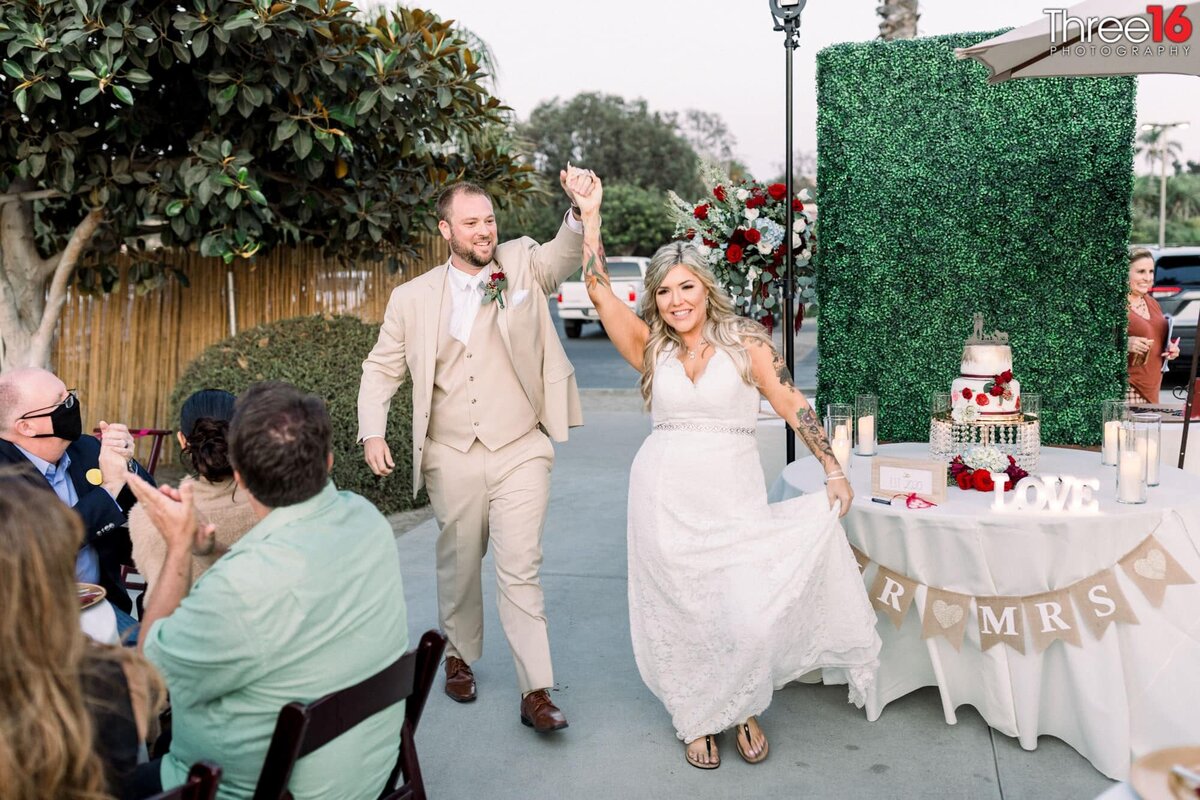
494	288
981	479
739	229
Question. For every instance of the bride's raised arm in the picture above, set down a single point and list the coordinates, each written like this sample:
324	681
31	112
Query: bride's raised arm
775	382
625	329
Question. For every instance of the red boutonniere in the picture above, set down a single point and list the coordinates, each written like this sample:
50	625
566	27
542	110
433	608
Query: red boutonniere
494	288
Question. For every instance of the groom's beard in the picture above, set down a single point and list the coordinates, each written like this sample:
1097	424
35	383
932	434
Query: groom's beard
477	255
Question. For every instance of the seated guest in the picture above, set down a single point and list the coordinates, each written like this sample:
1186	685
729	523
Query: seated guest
307	603
72	712
203	429
41	424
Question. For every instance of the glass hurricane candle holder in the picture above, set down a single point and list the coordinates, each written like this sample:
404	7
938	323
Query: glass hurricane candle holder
866	412
839	423
1131	463
1150	439
1114	414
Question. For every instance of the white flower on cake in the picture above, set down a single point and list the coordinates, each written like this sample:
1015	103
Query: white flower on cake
964	414
987	458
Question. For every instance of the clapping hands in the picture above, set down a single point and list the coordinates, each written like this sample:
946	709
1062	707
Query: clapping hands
173	514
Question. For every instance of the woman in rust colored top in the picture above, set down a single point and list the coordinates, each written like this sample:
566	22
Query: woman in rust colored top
1148	344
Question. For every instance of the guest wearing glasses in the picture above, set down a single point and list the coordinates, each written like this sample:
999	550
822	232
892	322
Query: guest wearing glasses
41	424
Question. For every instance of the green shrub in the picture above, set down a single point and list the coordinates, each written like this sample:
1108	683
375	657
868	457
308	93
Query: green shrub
941	196
321	355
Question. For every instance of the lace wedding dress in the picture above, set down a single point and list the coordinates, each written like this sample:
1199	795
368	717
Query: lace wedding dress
730	597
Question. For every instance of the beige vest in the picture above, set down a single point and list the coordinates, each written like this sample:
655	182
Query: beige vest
476	392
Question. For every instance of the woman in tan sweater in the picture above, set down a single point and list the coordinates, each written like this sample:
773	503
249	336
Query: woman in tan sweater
204	422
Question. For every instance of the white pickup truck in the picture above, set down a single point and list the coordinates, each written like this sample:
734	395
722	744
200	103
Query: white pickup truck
628	275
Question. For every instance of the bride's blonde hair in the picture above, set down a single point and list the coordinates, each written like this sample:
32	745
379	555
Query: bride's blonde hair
723	328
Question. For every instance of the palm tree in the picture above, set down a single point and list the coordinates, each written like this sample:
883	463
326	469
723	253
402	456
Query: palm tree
898	19
1151	145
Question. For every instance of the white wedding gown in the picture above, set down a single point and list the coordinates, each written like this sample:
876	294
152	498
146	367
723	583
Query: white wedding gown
730	597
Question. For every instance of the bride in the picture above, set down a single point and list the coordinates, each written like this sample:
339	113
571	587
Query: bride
730	598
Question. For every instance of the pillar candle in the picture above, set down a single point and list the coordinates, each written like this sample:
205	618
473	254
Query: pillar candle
1152	458
1111	429
866	435
841	451
1132	469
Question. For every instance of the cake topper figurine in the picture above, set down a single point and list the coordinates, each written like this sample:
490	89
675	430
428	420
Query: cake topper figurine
979	337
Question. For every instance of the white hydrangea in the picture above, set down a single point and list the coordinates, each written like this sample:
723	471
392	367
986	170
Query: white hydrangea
987	458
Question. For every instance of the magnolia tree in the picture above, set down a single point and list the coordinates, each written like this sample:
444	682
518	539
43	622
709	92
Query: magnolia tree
226	126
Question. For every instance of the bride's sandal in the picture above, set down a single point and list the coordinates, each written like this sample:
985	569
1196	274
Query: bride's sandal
714	758
743	733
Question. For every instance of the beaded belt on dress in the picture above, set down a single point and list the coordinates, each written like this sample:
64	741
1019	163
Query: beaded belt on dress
701	427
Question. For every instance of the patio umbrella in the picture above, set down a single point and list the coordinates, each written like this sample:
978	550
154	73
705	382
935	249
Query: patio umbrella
1097	37
1102	37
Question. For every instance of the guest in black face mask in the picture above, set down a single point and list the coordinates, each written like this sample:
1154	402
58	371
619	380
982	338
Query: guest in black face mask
41	425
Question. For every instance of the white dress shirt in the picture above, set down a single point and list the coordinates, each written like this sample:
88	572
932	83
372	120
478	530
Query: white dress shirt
466	292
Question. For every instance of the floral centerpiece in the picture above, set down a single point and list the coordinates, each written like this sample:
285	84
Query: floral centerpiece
740	229
974	470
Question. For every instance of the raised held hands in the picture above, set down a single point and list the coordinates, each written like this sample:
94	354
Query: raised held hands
583	187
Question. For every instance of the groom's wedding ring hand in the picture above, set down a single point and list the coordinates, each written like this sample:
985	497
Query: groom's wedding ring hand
378	456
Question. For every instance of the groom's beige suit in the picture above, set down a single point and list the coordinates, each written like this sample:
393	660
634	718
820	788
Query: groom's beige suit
483	410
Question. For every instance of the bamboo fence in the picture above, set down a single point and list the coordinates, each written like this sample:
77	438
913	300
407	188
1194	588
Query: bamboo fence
124	351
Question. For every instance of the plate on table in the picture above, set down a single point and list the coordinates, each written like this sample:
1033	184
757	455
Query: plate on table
89	595
1152	779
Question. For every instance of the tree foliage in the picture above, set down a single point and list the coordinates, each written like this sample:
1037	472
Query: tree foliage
228	125
622	141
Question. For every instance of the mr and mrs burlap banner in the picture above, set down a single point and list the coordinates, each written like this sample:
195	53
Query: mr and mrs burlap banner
1046	616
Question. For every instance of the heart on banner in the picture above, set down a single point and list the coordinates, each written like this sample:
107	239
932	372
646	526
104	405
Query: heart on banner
1150	567
945	615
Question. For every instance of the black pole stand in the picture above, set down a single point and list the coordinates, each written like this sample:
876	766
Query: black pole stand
1191	399
791	40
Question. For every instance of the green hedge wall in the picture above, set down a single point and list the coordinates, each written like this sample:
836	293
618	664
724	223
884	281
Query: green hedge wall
321	355
940	196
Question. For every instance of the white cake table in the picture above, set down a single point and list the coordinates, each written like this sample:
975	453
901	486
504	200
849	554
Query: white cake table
1133	691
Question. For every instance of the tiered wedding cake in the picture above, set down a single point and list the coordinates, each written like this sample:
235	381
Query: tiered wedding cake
985	404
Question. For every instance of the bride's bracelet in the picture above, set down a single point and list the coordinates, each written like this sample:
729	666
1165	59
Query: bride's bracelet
835	477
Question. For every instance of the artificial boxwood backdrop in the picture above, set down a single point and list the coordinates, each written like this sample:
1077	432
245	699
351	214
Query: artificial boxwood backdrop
323	356
940	196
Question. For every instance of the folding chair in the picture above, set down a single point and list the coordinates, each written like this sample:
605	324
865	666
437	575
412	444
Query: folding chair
202	781
302	728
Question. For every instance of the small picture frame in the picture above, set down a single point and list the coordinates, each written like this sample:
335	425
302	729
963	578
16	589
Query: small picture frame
926	478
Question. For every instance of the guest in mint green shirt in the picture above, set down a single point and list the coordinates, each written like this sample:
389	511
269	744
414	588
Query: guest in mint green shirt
308	602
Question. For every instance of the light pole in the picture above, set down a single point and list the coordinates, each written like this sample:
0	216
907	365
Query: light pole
1161	141
786	14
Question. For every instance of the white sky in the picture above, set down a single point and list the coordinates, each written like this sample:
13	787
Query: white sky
723	56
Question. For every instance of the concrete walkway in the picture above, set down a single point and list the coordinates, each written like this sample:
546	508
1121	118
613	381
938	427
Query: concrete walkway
620	743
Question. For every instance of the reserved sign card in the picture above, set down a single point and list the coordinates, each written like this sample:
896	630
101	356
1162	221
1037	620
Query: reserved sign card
904	476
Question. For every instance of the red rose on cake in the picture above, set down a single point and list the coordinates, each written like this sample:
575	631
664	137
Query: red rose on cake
966	393
1006	376
996	390
982	399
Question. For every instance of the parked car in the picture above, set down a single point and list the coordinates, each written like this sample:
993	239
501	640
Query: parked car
628	274
1177	290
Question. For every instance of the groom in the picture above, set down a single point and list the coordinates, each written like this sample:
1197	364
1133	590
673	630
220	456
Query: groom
491	386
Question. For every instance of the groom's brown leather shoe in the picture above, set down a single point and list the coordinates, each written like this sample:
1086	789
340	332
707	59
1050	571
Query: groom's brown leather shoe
540	714
460	681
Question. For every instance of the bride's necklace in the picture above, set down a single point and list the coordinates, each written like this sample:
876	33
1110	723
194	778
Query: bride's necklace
692	353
